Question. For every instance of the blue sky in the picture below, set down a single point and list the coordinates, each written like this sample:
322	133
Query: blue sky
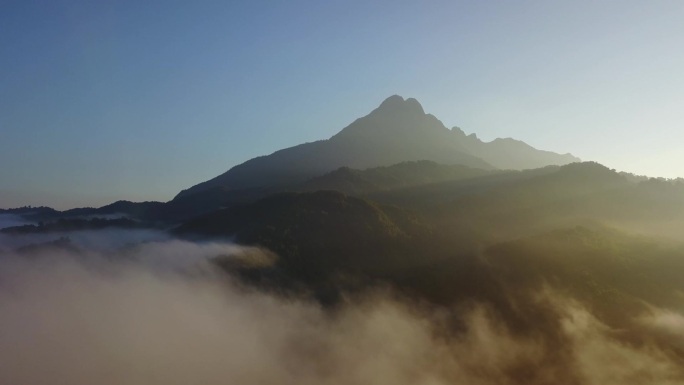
109	100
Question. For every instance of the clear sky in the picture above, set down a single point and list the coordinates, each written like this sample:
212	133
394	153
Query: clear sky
136	100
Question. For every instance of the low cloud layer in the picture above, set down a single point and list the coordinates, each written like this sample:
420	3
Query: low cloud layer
142	319
104	240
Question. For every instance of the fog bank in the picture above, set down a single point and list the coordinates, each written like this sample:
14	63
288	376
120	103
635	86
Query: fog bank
137	321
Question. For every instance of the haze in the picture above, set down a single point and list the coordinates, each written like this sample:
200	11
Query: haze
159	313
100	102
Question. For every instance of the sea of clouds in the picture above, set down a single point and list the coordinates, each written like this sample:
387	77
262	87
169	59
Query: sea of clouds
140	307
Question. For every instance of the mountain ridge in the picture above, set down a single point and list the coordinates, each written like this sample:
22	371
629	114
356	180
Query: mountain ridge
398	130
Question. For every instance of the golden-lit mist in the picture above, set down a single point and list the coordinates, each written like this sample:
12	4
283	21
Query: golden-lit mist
81	319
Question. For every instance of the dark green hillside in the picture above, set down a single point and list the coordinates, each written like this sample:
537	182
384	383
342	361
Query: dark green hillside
436	251
139	210
500	240
317	233
579	193
574	181
58	246
430	195
398	176
613	272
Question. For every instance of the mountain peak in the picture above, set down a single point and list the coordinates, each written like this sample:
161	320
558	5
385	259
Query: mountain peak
397	103
393	100
397	131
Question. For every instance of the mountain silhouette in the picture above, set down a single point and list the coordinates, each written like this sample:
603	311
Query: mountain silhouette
397	131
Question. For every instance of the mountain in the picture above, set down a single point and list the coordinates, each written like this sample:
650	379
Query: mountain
582	228
401	175
315	233
614	272
575	194
571	228
328	231
396	146
76	224
139	210
397	131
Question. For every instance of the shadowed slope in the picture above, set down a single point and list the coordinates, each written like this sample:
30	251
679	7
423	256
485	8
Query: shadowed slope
315	233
